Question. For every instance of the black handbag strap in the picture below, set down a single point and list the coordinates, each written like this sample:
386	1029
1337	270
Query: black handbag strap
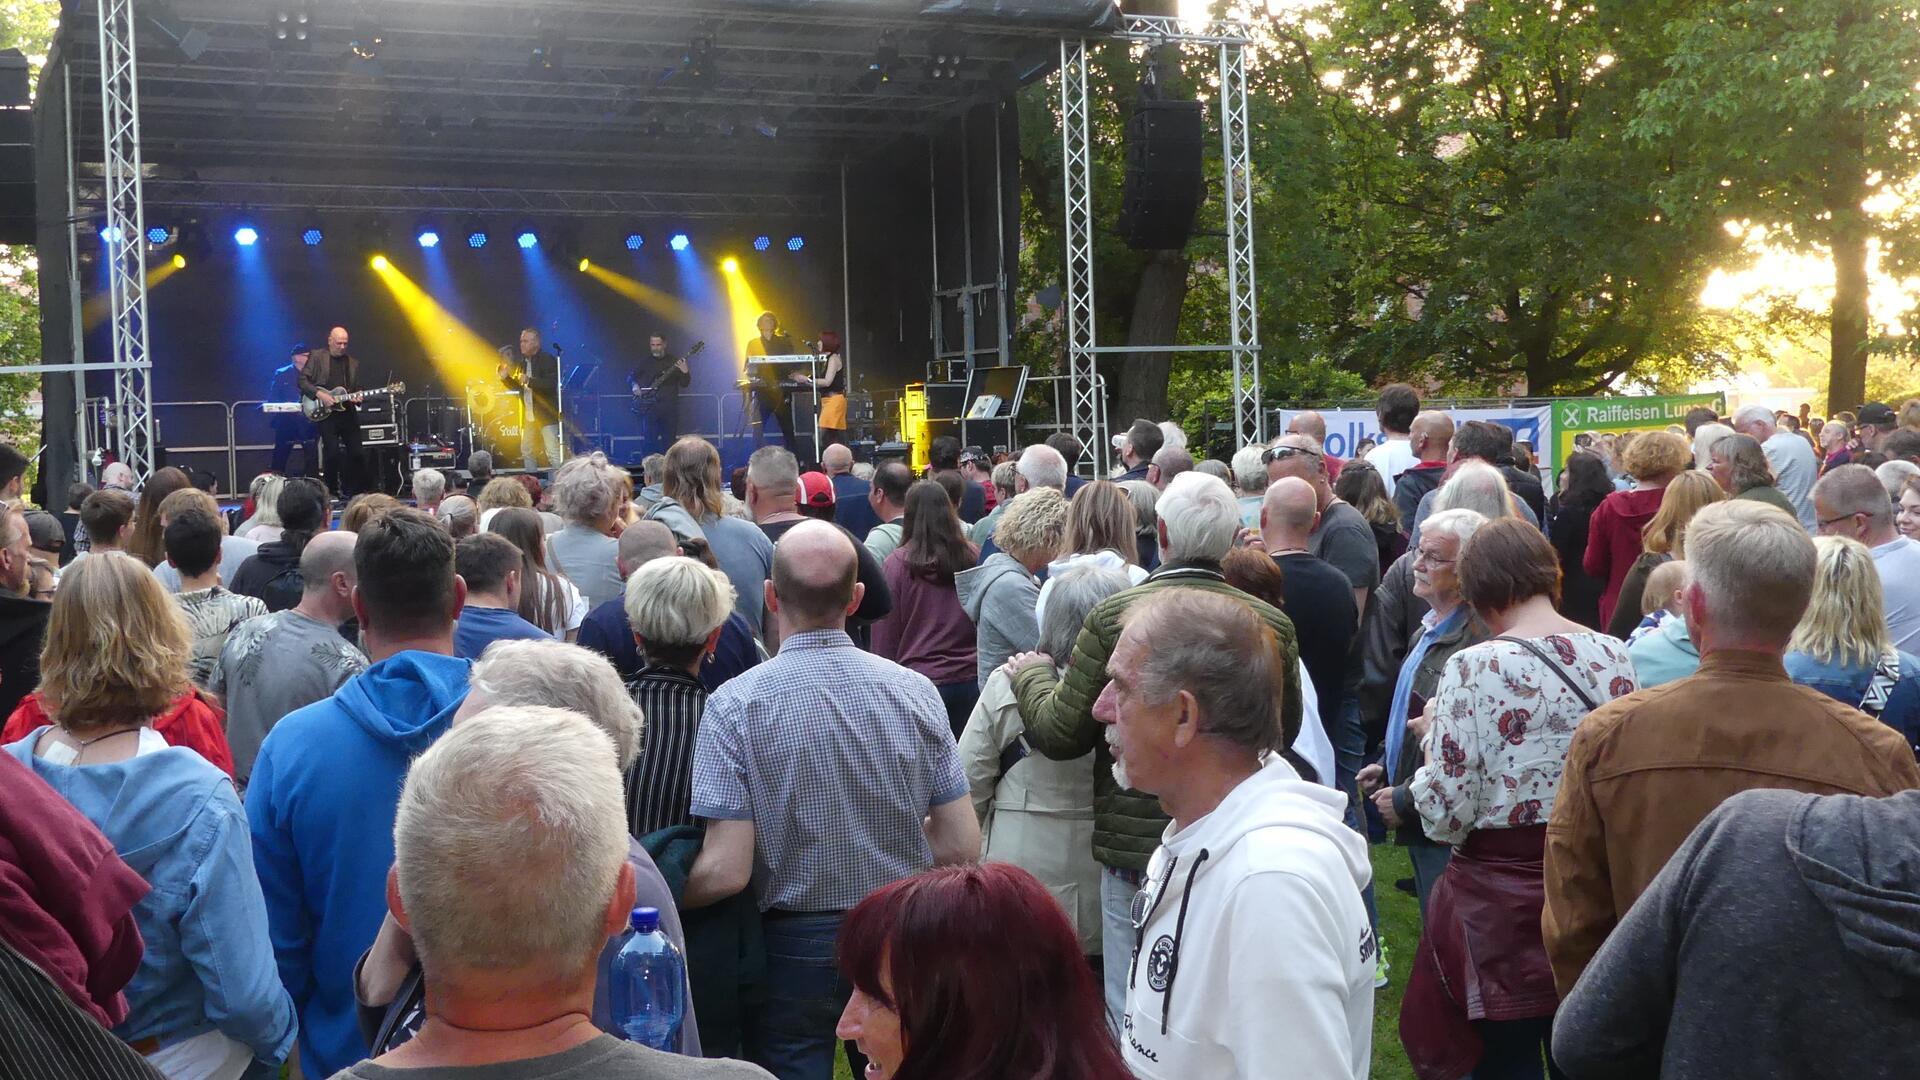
1554	665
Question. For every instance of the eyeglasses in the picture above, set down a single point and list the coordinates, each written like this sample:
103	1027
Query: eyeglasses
1282	453
1426	558
1823	523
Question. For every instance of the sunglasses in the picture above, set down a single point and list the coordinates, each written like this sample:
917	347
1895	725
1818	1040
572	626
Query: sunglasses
1282	453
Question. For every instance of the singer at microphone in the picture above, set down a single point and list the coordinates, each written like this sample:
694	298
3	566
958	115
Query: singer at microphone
535	375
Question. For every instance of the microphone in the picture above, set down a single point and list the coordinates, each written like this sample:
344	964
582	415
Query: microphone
559	349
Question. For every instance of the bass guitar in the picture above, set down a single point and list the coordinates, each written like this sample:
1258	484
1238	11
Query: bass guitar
315	412
645	396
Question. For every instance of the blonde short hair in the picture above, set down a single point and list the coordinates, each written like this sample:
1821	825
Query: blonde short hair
1654	454
1846	619
502	492
508	843
117	645
1035	522
677	601
1662	582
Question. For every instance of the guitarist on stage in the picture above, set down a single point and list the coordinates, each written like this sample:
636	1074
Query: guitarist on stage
336	369
666	374
535	375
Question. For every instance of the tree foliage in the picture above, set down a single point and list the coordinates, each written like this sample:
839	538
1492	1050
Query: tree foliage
1802	119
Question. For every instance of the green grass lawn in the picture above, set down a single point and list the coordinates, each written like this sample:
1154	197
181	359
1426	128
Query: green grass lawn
1400	928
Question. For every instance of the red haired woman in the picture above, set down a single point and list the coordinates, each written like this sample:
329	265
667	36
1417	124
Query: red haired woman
831	385
972	973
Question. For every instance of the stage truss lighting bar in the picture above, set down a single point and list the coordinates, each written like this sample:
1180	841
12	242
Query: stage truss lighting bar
246	236
795	243
635	241
762	243
680	242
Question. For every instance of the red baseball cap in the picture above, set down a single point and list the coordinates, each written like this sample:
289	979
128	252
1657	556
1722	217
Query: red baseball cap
815	490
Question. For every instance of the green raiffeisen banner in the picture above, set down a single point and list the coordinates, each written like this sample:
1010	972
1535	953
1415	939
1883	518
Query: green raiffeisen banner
1573	417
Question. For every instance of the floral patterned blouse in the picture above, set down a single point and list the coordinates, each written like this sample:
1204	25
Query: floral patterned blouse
1502	723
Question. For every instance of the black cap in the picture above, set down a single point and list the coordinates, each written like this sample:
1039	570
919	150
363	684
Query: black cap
1877	413
298	348
974	453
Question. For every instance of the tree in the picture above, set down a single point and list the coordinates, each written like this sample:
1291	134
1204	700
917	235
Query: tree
1802	118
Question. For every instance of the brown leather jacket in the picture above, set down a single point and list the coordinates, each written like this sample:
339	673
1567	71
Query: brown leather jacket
324	371
1646	768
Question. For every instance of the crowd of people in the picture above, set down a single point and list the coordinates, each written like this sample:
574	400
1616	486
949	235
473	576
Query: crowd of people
988	771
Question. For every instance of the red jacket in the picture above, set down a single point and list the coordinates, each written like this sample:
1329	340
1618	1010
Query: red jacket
192	721
1614	541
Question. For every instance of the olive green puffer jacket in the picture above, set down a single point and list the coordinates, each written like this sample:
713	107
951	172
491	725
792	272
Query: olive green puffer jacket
1058	712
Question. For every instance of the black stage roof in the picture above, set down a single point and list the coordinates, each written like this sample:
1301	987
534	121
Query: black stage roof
649	108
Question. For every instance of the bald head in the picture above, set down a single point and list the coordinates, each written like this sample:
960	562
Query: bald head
837	459
1288	514
1432	431
1308	423
642	542
1170	462
813	585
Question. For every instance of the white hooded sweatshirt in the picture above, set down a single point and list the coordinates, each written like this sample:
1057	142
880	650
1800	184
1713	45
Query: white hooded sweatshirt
1255	958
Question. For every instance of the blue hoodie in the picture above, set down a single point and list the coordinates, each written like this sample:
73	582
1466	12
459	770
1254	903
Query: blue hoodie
321	805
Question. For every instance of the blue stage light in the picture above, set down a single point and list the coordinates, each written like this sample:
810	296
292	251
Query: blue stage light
528	241
157	235
476	240
246	236
680	242
110	234
762	243
429	239
795	243
635	241
312	237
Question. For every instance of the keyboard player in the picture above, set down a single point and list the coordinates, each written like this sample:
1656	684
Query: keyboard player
290	429
767	380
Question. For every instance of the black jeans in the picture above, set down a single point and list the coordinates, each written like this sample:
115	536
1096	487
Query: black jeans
340	441
289	432
959	698
1515	1050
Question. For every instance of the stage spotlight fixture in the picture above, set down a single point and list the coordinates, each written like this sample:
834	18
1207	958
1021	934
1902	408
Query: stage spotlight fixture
477	239
379	262
635	241
680	242
546	52
885	56
312	237
730	264
762	243
110	233
528	240
158	234
795	243
190	40
766	127
179	262
698	59
584	263
429	239
289	26
368	40
944	56
246	236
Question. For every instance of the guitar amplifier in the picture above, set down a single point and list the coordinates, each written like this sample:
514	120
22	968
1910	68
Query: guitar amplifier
377	425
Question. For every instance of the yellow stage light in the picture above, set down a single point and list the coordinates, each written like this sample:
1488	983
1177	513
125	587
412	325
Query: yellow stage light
730	264
743	308
583	265
647	297
179	262
380	262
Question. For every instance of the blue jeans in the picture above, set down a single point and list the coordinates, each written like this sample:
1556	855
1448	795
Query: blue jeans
1116	939
1429	862
791	1034
1349	755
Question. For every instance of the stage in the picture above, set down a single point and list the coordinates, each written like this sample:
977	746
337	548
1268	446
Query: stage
439	177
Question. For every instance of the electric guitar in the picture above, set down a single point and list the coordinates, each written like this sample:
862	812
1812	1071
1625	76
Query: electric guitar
315	412
644	397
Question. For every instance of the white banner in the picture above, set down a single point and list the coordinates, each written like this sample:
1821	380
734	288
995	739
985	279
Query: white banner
1347	427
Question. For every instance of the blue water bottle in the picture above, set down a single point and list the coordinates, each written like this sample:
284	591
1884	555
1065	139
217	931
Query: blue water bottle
649	992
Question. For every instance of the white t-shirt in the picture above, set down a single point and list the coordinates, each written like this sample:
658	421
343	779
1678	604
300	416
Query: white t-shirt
1391	457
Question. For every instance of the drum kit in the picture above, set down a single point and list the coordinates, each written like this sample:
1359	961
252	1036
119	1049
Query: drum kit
495	418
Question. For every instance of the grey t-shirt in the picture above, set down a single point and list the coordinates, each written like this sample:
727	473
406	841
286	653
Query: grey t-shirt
602	1058
272	665
1346	540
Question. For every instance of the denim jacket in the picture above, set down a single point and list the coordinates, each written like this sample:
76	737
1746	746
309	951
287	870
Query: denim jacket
209	963
1847	684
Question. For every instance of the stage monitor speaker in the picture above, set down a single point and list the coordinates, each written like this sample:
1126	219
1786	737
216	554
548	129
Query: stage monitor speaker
16	151
1165	180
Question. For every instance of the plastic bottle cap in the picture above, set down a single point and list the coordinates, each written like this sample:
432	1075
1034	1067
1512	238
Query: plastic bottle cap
645	920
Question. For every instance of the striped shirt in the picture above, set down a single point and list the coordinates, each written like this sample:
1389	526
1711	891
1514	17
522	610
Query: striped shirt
44	1036
660	783
836	756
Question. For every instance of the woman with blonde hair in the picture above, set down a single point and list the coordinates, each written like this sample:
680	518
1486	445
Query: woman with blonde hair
207	1001
264	525
1663	539
1614	538
1842	648
999	594
500	493
1101	526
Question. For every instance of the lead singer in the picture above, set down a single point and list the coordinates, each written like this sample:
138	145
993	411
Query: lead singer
535	375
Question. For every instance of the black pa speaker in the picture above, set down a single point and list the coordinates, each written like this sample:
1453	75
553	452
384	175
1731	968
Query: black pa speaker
1165	182
16	151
